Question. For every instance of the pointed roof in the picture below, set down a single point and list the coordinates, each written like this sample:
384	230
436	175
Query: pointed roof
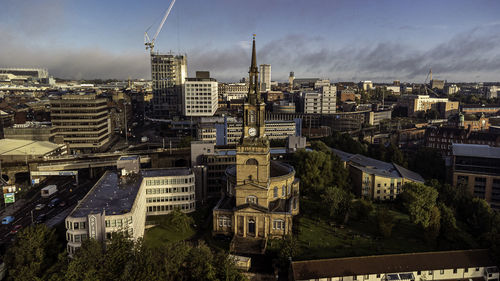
253	86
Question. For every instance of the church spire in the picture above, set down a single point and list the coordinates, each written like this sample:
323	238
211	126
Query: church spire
253	90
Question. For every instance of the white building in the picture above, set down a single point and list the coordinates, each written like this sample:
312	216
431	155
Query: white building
439	266
492	92
452	89
200	97
321	83
321	103
367	85
394	89
120	201
265	77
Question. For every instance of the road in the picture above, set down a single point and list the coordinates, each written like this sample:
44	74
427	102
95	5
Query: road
67	192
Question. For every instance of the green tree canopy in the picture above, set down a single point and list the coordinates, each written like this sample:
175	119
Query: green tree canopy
338	201
419	201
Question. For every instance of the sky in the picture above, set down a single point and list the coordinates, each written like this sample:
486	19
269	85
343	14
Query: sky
349	40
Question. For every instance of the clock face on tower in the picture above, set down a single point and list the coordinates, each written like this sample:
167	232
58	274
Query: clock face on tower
252	132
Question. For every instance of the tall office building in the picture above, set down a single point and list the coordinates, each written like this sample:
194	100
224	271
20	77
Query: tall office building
200	95
168	73
321	103
290	80
265	80
82	121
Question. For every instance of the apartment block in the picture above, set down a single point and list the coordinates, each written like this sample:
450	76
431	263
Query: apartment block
321	103
200	97
472	265
478	168
82	121
265	77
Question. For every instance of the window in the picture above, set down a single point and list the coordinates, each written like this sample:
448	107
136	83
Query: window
419	272
275	191
252	199
477	268
279	224
430	272
455	270
466	270
355	277
367	276
441	271
283	190
378	275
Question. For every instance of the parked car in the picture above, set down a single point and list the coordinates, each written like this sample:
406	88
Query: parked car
39	206
40	219
16	228
54	202
7	219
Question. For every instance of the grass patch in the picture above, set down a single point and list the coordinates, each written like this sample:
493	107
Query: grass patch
160	235
319	238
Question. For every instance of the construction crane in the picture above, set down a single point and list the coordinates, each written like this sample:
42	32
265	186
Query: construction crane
429	75
150	44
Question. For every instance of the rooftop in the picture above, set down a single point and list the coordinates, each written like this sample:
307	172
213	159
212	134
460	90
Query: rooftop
303	270
116	195
475	150
26	147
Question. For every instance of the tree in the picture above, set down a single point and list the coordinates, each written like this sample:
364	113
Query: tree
314	170
338	201
362	208
199	263
431	232
419	200
179	220
448	222
34	251
385	221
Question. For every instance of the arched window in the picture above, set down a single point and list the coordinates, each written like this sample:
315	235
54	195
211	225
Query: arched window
275	191
251	116
294	203
279	224
224	221
252	161
283	191
252	199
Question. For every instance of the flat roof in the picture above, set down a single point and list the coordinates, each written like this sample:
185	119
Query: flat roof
27	147
475	150
397	263
116	196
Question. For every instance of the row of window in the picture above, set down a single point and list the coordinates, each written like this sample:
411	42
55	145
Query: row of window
169	190
163	208
170	198
75	225
284	191
169	181
430	272
118	222
76	238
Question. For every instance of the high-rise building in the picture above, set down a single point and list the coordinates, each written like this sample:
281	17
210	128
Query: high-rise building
321	103
200	96
290	80
82	121
168	73
265	80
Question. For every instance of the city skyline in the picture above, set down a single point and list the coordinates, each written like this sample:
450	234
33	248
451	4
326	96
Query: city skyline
339	40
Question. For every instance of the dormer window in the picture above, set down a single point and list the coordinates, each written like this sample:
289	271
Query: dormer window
252	199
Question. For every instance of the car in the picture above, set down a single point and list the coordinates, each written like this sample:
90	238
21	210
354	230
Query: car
16	228
39	207
7	219
41	218
54	202
62	204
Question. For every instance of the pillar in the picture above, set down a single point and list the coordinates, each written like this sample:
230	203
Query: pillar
256	226
235	224
265	226
244	226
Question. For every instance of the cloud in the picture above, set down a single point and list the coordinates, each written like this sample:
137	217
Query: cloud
468	56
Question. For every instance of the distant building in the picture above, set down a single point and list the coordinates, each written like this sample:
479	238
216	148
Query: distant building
34	73
421	103
396	90
451	89
437	84
471	122
486	109
265	77
321	83
366	85
233	91
200	97
291	78
469	265
120	202
321	103
492	92
271	96
38	131
349	95
168	73
478	168
375	179
442	138
82	121
304	82
284	107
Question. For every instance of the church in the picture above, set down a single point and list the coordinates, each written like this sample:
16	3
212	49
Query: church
261	196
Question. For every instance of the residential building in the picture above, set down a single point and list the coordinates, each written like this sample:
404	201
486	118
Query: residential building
396	90
321	103
261	195
349	95
265	77
375	179
478	168
439	266
200	97
421	103
121	200
168	73
233	91
82	121
321	83
442	138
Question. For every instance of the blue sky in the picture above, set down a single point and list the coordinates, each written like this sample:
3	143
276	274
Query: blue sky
341	40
